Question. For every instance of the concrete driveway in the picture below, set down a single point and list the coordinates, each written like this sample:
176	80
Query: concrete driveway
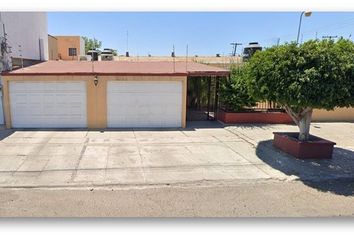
147	157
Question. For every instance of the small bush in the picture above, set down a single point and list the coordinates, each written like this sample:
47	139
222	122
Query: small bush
234	93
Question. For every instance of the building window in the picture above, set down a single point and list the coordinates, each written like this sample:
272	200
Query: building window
72	52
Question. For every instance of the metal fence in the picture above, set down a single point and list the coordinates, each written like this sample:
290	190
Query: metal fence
268	107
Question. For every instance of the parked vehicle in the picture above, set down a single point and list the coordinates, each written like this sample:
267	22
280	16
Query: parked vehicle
93	54
107	54
250	49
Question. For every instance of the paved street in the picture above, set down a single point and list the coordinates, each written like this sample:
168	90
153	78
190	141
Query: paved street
242	199
200	153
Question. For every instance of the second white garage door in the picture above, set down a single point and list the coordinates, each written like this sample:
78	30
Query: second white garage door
44	104
144	104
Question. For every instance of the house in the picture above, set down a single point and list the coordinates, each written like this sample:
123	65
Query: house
23	40
52	48
104	94
70	47
26	35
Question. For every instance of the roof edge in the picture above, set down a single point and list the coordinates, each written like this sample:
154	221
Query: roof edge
92	74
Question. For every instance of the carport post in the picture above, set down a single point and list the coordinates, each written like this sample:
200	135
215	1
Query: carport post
208	106
216	99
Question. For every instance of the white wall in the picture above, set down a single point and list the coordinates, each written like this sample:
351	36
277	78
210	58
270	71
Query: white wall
2	121
27	29
82	47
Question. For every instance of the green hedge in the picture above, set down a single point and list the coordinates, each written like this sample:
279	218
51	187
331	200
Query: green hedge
234	93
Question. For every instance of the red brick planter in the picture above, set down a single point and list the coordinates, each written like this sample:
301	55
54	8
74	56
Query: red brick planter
254	117
315	148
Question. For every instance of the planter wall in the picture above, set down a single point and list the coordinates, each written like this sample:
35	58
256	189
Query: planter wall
254	117
315	148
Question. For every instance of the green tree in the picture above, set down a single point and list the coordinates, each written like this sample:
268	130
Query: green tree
234	92
91	44
316	74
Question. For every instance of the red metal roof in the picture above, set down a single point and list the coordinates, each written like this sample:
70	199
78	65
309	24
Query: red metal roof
117	68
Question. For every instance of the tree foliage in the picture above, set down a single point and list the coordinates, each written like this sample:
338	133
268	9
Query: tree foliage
91	44
316	74
234	94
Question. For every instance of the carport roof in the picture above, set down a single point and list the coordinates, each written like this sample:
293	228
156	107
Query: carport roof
120	68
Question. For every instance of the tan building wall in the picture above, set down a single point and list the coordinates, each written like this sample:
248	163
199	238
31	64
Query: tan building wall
66	42
222	61
96	95
337	115
52	48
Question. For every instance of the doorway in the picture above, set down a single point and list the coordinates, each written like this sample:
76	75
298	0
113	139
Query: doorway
202	98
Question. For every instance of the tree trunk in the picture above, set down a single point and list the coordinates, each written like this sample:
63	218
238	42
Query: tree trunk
304	125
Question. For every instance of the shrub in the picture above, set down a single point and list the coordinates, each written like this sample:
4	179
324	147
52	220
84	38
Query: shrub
234	93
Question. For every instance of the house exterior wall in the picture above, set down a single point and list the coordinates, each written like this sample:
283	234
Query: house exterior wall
337	115
1	110
82	47
96	95
66	42
52	48
28	29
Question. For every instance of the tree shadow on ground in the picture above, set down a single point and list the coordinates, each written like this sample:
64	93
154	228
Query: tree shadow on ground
261	126
334	175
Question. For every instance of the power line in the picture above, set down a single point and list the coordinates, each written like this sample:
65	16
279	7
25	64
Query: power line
334	26
330	37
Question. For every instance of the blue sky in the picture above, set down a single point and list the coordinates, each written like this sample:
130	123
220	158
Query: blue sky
206	33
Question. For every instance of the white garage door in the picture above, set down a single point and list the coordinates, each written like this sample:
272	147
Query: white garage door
48	104
144	104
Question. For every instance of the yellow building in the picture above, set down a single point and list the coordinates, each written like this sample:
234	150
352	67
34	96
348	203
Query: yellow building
82	94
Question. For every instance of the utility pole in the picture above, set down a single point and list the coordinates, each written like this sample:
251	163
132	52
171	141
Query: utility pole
307	14
234	48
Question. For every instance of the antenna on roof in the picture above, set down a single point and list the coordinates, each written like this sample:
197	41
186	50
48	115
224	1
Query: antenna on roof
92	56
173	56
127	50
187	58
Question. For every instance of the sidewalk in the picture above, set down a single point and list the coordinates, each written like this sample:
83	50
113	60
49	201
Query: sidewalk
198	154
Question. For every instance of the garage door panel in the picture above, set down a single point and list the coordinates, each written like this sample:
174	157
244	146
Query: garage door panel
37	104
144	103
146	87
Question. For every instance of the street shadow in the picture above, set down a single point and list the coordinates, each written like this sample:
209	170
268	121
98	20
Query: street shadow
334	175
4	133
190	126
